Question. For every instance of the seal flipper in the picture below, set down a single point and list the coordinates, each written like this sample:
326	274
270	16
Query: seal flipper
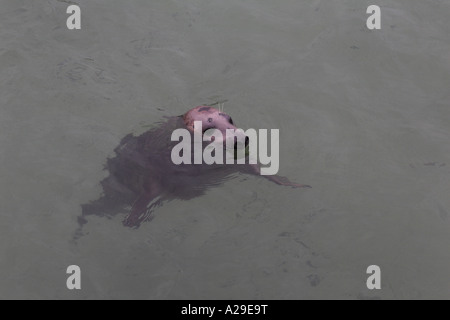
142	209
255	169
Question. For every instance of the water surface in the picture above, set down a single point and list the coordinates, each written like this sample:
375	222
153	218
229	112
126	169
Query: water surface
363	116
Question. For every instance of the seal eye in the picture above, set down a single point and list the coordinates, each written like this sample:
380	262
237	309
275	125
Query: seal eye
210	119
231	121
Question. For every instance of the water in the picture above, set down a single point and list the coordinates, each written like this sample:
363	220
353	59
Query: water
363	116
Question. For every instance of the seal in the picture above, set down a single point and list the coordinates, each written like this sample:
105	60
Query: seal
142	175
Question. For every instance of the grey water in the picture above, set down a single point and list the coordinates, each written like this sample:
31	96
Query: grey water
364	117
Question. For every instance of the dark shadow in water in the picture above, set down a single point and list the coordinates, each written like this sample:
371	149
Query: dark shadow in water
142	176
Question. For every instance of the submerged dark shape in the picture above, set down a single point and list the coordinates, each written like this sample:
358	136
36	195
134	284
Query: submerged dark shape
142	174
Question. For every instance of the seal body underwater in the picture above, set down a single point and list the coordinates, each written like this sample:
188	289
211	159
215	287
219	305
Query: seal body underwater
142	174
